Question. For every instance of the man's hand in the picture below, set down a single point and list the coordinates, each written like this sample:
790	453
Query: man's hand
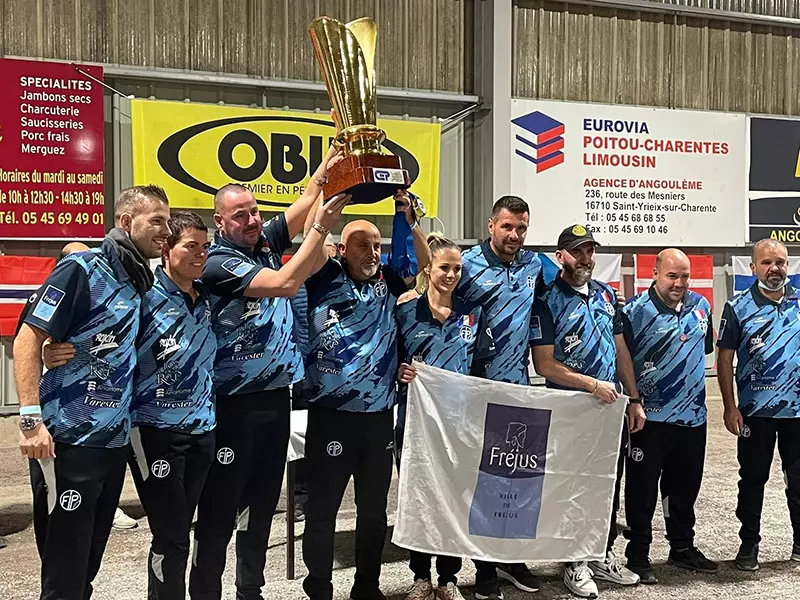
620	298
403	204
56	354
406	373
605	392
328	214
636	417
37	443
733	420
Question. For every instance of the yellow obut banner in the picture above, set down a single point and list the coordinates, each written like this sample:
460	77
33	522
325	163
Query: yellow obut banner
191	150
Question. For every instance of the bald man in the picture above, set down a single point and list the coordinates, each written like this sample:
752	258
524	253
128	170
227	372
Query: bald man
668	332
350	368
761	326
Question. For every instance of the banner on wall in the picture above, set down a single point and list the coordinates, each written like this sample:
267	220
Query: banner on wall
522	473
743	276
608	268
774	191
635	176
191	150
51	151
20	276
702	269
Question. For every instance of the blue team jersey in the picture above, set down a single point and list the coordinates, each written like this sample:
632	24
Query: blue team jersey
668	348
351	364
90	302
173	386
256	344
581	328
505	292
462	344
766	337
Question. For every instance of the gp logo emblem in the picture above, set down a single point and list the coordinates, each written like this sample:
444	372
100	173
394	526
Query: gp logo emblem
70	500
334	448
745	433
160	469
225	456
637	454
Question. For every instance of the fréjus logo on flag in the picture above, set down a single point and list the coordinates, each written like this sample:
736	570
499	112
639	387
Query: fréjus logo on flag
508	494
500	472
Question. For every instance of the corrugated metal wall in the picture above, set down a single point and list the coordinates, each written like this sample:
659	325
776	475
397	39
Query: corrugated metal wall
574	52
777	8
422	44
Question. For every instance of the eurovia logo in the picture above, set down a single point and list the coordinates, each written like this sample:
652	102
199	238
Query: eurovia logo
540	140
508	494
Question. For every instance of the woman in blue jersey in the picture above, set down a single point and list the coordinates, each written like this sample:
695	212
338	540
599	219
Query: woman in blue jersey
172	411
438	330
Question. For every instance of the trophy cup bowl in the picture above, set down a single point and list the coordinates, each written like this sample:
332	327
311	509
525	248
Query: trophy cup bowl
346	57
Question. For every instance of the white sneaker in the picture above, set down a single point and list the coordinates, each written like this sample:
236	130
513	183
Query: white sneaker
421	590
578	579
123	521
614	570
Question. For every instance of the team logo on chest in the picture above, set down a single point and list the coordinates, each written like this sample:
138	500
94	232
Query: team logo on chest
381	289
251	308
465	323
531	281
702	324
169	345
756	342
104	341
571	342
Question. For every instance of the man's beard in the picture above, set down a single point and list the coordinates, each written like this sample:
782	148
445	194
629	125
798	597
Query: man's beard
363	271
770	286
580	275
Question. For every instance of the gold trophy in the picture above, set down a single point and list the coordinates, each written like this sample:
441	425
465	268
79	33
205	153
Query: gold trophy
346	57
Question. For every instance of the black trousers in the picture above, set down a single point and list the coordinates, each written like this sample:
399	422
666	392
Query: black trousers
339	445
241	491
755	451
675	455
80	488
169	469
447	567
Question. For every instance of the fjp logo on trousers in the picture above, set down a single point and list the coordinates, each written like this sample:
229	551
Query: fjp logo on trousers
637	454
225	456
160	469
70	500
334	448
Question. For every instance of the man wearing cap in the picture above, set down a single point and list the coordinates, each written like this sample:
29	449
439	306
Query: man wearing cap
668	331
761	325
578	345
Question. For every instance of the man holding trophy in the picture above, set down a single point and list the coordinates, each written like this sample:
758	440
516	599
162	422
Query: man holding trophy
352	335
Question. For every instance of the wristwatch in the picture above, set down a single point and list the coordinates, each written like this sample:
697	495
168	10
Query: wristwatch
29	422
636	400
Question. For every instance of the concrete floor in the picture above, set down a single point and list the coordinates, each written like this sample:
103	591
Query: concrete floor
123	576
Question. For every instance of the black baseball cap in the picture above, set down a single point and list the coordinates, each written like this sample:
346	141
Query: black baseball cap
575	235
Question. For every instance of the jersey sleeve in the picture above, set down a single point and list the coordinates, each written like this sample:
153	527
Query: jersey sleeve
710	334
321	279
626	329
484	344
62	302
542	329
227	275
277	233
729	330
397	287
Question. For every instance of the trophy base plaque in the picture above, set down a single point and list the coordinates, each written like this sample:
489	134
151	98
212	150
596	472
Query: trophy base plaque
369	178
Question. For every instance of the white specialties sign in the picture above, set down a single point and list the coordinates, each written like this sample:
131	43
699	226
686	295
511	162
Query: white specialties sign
635	176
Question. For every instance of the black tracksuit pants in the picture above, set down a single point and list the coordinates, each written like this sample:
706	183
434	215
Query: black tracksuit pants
447	567
80	488
756	446
242	490
341	444
169	469
674	455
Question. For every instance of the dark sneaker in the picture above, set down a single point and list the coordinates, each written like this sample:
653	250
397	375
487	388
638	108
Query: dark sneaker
747	558
796	553
643	568
692	559
488	590
519	576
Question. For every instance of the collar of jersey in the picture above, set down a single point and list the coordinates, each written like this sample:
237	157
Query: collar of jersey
493	260
789	294
172	288
425	315
688	302
225	243
567	289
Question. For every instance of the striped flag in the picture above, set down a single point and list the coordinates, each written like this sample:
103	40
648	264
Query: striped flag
743	276
608	268
20	276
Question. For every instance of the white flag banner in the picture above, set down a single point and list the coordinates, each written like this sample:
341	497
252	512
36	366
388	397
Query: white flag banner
500	472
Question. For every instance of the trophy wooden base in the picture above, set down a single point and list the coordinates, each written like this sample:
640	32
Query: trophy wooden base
369	178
